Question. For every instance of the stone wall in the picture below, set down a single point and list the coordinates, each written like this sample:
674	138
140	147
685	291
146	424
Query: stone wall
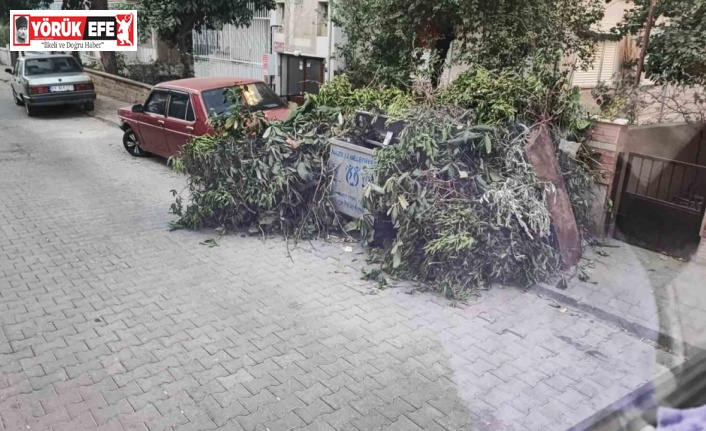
606	140
119	88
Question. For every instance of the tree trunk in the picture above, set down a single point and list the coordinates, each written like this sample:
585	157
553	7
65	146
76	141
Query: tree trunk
108	59
443	45
185	55
645	42
77	55
109	62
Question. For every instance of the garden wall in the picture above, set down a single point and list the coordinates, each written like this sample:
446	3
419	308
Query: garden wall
606	141
119	88
681	142
5	56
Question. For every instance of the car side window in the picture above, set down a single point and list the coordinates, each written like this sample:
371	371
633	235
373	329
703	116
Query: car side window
190	112
157	103
178	105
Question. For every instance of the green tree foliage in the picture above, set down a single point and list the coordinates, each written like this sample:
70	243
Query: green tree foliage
391	40
536	95
340	93
677	46
7	5
176	20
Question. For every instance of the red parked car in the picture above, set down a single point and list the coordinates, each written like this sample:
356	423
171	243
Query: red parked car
176	111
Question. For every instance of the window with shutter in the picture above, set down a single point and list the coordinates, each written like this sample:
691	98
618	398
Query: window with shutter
602	69
610	53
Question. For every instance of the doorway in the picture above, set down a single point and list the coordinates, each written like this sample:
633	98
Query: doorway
301	75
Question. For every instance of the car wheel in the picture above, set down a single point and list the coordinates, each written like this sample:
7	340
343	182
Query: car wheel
30	110
132	144
89	106
18	99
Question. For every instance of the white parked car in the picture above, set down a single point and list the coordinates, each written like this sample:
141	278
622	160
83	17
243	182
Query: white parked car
50	80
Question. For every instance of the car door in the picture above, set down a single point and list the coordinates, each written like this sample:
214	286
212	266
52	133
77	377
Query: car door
16	76
179	125
151	123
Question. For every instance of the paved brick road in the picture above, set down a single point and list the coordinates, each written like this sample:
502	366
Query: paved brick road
108	321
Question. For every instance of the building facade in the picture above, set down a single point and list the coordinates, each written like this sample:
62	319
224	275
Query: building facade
291	47
304	42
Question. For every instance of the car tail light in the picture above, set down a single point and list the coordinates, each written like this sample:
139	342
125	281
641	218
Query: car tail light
38	90
83	87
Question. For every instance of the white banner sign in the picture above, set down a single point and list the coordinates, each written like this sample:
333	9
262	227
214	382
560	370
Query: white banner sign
73	30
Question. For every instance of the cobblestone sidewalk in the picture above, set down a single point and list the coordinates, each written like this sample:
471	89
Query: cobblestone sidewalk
108	321
646	292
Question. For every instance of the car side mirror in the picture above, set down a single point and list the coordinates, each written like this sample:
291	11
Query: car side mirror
138	108
8	70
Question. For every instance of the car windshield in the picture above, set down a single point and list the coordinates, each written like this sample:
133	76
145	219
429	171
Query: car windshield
46	66
258	96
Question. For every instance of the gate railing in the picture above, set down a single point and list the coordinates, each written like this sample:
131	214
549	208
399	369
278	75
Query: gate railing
668	182
233	51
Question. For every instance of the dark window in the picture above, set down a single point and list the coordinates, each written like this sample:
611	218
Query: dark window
46	66
190	112
178	105
257	96
157	103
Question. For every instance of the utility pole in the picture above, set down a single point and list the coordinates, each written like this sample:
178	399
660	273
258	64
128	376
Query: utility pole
645	42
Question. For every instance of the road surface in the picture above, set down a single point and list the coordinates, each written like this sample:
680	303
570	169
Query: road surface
109	321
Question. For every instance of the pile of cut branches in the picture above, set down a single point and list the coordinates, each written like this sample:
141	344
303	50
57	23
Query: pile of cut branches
268	177
465	203
466	206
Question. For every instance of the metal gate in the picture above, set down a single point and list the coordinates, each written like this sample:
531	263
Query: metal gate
233	51
661	204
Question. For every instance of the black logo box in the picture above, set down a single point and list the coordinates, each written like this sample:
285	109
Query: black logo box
106	19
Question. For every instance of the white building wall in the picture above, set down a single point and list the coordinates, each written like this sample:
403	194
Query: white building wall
304	32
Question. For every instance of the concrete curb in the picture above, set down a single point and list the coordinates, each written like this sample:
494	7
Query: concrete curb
108	121
637	329
119	79
106	110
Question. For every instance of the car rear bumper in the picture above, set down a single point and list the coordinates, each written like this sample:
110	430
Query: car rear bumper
68	98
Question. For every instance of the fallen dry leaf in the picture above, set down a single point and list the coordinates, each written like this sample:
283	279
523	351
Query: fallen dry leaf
292	143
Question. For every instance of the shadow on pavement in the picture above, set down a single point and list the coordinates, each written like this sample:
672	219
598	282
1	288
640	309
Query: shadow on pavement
59	112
